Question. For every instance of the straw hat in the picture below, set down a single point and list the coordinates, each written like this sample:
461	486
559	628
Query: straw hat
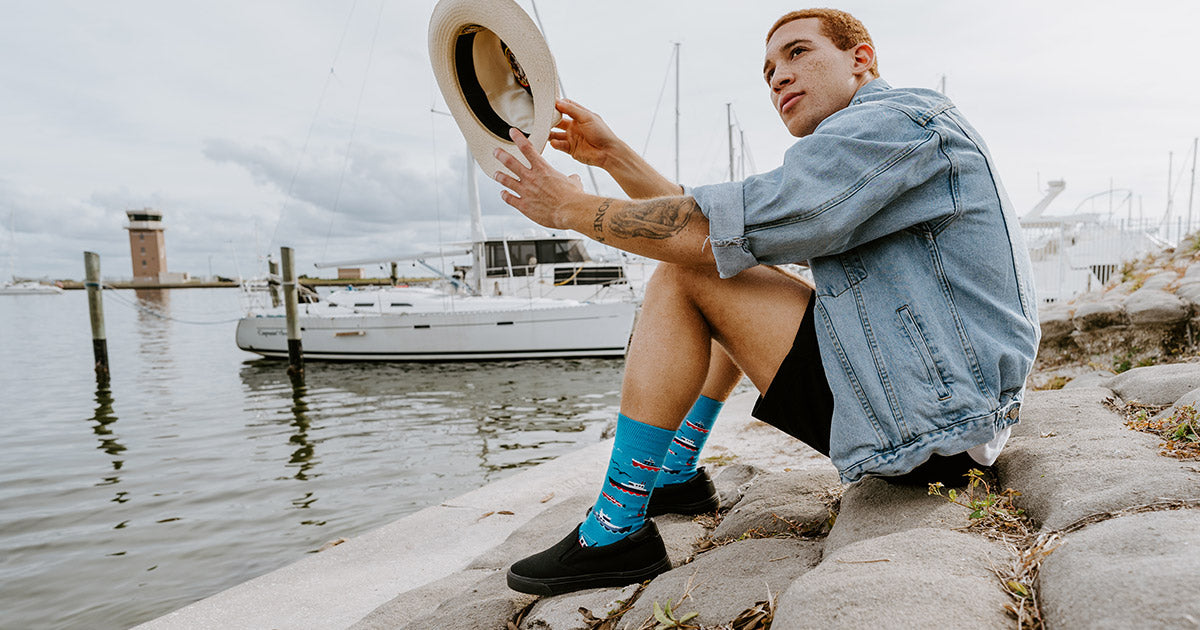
495	72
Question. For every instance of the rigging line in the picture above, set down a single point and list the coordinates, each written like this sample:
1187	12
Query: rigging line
561	89
658	105
353	128
156	313
312	125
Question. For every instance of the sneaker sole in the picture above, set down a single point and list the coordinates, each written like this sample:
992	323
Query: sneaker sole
558	586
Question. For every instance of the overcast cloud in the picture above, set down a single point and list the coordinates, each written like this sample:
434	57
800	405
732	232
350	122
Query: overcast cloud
308	124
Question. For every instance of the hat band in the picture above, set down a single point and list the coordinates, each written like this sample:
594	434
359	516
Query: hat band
472	91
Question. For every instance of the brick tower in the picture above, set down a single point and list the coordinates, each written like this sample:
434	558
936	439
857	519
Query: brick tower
146	246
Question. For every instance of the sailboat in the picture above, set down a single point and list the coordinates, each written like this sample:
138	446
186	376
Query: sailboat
26	287
461	320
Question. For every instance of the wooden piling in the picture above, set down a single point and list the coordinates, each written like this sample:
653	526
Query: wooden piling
91	267
291	307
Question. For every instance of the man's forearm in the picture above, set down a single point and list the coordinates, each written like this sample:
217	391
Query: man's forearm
637	178
670	229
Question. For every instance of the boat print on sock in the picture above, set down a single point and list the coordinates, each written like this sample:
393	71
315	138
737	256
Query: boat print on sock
685	443
630	487
612	500
671	471
607	523
695	427
646	464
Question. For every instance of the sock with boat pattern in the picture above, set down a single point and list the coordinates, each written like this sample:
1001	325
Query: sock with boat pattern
684	453
620	509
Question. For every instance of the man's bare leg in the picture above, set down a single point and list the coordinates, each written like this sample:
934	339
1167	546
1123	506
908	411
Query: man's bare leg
753	316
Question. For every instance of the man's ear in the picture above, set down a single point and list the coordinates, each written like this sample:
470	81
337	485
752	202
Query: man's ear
864	58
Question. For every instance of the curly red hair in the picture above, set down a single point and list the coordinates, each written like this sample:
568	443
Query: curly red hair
843	29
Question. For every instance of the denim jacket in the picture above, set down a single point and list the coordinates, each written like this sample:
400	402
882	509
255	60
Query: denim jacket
925	310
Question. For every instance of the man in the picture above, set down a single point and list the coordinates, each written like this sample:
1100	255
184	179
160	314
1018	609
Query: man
908	354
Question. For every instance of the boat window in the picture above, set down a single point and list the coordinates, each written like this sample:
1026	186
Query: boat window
562	251
364	304
400	304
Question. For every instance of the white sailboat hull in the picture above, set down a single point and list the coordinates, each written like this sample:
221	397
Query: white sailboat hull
473	329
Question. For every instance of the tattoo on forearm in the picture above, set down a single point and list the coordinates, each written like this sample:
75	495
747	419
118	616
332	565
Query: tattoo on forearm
598	222
654	219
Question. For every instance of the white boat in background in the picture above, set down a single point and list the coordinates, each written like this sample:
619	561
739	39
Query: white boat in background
1081	252
497	308
29	288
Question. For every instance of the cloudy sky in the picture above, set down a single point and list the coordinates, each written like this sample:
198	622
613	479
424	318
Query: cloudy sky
253	125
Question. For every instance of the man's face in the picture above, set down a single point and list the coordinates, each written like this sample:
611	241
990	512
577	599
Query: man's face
810	78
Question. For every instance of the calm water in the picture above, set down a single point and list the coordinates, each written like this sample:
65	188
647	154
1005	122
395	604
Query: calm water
202	467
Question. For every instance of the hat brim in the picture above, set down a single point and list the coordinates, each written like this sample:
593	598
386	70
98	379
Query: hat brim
452	22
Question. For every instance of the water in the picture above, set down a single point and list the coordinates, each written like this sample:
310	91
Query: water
202	467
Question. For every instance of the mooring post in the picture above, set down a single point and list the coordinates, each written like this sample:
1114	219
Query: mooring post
394	278
91	267
273	282
295	350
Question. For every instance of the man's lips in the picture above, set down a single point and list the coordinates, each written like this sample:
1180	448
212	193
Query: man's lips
788	100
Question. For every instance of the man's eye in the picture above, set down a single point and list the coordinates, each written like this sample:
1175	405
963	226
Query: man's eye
796	52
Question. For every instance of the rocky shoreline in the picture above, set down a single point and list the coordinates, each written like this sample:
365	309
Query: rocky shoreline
1110	538
1086	520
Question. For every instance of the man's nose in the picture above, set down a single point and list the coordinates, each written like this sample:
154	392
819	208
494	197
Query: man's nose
780	79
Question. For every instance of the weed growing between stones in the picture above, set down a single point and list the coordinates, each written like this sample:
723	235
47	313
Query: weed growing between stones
1180	431
757	617
991	512
664	618
994	515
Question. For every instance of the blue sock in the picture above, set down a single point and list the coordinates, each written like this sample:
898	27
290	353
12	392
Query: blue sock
621	507
680	463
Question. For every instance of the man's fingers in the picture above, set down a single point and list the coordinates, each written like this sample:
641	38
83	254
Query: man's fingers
571	108
525	146
510	161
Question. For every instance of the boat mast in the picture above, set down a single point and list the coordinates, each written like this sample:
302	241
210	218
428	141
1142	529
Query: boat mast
478	268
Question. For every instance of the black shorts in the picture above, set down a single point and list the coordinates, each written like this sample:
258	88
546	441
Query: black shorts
799	403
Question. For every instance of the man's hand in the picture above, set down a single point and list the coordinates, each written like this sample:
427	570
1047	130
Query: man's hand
584	135
543	194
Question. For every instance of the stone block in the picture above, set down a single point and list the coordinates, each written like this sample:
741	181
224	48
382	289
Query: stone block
874	507
1096	315
1161	280
732	481
1136	571
487	605
1056	324
1156	384
791	502
723	582
562	612
1072	457
420	602
1155	306
918	578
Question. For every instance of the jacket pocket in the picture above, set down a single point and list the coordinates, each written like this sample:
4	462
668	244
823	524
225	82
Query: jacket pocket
920	344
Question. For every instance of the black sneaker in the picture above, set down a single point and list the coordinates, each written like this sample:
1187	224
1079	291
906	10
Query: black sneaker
569	566
694	496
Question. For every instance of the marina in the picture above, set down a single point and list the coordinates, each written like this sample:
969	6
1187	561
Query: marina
201	466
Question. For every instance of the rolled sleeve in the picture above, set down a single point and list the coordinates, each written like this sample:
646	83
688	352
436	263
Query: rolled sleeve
724	207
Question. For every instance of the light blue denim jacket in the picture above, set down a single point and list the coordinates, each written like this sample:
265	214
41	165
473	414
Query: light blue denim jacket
925	311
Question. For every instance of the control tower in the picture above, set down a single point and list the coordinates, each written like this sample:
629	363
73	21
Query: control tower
146	246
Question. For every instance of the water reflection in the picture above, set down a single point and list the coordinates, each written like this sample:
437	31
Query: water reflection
441	416
104	418
302	457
